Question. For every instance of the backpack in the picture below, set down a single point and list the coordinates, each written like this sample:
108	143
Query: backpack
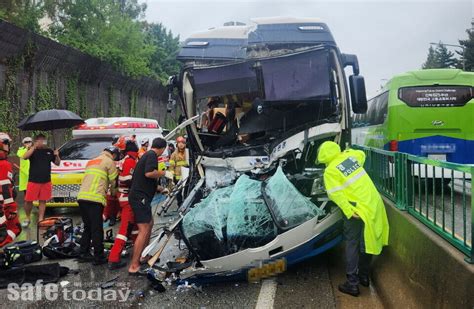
22	252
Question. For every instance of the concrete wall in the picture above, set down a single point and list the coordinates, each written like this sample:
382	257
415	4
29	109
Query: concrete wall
421	270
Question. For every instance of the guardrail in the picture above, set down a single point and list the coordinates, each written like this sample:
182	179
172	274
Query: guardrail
437	193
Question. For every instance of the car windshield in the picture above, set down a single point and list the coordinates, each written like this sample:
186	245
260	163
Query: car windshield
83	149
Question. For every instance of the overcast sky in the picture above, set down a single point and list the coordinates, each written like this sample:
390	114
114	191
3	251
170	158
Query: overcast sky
389	37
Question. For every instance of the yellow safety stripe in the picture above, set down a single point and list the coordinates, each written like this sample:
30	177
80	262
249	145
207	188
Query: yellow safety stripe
347	183
89	196
113	176
178	177
95	171
172	162
182	163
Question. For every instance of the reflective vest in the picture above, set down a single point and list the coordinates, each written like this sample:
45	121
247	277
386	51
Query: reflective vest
100	175
177	160
350	187
24	168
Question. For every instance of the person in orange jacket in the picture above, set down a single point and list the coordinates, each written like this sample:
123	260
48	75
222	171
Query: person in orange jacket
128	228
10	226
145	142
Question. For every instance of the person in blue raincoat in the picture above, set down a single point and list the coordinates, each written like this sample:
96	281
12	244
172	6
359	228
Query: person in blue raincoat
365	220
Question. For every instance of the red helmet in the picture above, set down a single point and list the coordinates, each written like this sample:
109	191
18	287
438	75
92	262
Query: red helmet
122	142
181	139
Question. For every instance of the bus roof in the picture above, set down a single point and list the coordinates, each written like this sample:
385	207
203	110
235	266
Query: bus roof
431	76
232	42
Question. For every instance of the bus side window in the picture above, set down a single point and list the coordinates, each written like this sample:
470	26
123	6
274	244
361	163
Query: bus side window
383	107
372	112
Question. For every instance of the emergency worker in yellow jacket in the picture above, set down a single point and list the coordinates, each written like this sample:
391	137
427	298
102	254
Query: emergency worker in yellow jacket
177	161
100	176
365	221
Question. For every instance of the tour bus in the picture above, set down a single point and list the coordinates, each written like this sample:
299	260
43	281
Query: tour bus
425	113
89	139
265	96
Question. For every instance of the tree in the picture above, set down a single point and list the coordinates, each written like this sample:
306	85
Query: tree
444	57
106	29
23	13
467	55
440	58
431	61
163	61
111	30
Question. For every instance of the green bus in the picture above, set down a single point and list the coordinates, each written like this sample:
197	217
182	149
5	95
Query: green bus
427	113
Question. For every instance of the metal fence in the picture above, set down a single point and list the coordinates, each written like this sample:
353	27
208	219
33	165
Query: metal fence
437	193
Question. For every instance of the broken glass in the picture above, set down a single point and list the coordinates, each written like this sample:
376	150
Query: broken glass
288	205
249	222
237	217
204	225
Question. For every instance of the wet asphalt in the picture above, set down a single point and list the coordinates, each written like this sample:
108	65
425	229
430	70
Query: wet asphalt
311	284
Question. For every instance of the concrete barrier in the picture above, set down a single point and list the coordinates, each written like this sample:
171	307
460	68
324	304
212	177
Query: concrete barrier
419	269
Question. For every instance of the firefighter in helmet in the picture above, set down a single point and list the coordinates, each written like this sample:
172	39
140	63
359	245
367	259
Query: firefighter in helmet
10	227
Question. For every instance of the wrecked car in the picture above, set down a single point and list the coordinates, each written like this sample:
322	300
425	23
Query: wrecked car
259	99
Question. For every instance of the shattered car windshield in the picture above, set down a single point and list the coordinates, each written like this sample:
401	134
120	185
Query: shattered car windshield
237	217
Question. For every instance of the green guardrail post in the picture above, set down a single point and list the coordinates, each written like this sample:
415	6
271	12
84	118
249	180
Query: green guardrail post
470	259
400	166
408	189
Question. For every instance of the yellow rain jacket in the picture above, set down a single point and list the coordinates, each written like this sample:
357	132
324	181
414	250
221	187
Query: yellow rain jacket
349	186
24	168
99	176
178	160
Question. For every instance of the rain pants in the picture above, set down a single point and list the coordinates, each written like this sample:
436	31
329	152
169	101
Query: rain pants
349	186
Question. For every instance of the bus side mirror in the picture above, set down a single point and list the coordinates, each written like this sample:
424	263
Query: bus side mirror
358	96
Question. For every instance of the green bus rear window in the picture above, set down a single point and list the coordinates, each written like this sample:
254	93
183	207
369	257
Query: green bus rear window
436	96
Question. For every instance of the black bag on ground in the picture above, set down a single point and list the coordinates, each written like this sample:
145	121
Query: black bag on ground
49	273
61	251
22	252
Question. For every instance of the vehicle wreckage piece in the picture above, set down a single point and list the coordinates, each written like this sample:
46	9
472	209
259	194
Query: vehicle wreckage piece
250	224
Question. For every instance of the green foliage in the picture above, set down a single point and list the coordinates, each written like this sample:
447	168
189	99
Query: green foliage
114	106
108	30
72	95
111	30
440	58
23	13
82	102
467	55
163	61
133	103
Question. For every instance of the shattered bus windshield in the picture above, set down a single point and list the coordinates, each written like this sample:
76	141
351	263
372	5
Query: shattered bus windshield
246	102
237	217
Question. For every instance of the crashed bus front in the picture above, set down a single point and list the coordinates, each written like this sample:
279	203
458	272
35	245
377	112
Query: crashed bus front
265	97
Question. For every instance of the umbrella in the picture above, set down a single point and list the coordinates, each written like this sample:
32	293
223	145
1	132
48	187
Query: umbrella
51	119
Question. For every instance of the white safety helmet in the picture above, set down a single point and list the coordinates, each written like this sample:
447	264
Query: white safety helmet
144	141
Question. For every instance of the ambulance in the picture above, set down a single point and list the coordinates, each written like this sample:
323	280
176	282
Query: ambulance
89	139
